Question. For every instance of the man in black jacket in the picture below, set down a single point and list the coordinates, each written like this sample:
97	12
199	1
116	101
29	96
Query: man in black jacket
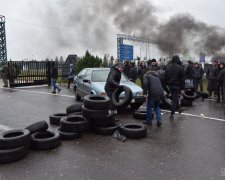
174	78
153	91
113	82
54	77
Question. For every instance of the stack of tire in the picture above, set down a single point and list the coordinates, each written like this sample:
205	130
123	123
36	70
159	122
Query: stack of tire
189	96
42	138
96	109
141	114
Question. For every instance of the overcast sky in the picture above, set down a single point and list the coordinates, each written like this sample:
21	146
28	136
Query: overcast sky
50	28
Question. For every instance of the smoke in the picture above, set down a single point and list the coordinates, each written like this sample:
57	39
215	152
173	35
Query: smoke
92	23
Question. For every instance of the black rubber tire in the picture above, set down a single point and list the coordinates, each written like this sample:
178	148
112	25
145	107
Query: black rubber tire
95	114
167	102
74	123
140	114
55	118
126	100
135	106
96	102
189	95
106	130
185	102
68	135
14	138
76	113
12	155
108	121
45	140
74	108
133	130
38	126
203	94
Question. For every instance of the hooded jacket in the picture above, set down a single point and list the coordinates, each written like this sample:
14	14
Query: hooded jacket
113	80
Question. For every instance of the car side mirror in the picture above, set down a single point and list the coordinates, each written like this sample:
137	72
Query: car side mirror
86	81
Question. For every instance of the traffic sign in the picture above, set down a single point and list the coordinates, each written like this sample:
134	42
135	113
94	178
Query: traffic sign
126	52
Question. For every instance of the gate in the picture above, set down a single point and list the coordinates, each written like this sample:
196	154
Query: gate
28	73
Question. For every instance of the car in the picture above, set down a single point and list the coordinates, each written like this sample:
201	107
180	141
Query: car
93	80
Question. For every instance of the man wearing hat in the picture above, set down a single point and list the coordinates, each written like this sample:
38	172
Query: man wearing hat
197	76
113	82
154	65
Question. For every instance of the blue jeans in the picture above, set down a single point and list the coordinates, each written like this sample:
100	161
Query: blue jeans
153	104
54	84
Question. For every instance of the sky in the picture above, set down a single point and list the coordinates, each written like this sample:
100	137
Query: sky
45	29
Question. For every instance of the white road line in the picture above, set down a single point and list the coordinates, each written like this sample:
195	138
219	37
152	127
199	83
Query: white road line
194	115
38	92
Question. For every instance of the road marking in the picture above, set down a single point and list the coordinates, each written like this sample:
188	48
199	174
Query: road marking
193	115
38	92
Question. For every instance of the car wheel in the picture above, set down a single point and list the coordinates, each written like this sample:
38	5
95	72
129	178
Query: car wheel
77	96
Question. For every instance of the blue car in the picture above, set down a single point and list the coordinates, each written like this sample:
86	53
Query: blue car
92	81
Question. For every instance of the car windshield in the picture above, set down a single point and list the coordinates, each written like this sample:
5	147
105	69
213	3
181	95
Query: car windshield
101	76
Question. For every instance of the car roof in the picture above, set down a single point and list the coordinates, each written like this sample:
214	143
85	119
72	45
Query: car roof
98	68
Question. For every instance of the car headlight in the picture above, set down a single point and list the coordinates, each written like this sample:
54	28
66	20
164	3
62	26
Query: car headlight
139	93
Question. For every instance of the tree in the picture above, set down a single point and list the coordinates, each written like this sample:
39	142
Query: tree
111	60
105	61
88	61
61	60
56	59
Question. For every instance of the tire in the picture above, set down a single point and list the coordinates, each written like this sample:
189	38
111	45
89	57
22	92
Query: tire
12	155
95	114
106	130
77	96
74	123
74	108
189	95
185	102
133	130
135	106
14	138
55	118
126	100
203	94
167	102
96	102
108	121
45	140
38	126
76	113
68	135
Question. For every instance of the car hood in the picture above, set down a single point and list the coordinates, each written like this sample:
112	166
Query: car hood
100	87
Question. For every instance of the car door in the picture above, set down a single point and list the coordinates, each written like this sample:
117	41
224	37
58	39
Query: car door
87	87
79	82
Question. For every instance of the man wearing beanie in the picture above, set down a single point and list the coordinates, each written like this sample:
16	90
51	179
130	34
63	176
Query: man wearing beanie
174	78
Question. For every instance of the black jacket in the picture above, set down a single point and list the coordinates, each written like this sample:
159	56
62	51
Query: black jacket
113	80
54	74
174	75
188	72
152	85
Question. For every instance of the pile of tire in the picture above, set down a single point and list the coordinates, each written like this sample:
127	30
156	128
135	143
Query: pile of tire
141	114
15	144
96	109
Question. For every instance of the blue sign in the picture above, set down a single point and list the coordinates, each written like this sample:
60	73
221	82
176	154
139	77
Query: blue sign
126	52
202	58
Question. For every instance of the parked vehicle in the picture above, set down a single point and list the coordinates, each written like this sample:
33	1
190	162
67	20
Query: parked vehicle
92	81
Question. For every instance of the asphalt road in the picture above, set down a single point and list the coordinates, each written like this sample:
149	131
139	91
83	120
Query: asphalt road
190	147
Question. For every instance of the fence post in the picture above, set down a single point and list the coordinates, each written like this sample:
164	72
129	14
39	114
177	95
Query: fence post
48	73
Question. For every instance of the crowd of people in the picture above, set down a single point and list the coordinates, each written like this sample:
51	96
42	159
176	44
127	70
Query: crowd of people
173	79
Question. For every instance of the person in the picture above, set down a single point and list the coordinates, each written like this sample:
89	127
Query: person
54	77
154	65
153	92
188	75
112	83
133	74
219	85
141	71
126	68
5	75
174	78
161	74
71	75
211	75
198	73
221	81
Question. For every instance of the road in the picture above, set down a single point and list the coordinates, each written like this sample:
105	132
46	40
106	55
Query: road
190	147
